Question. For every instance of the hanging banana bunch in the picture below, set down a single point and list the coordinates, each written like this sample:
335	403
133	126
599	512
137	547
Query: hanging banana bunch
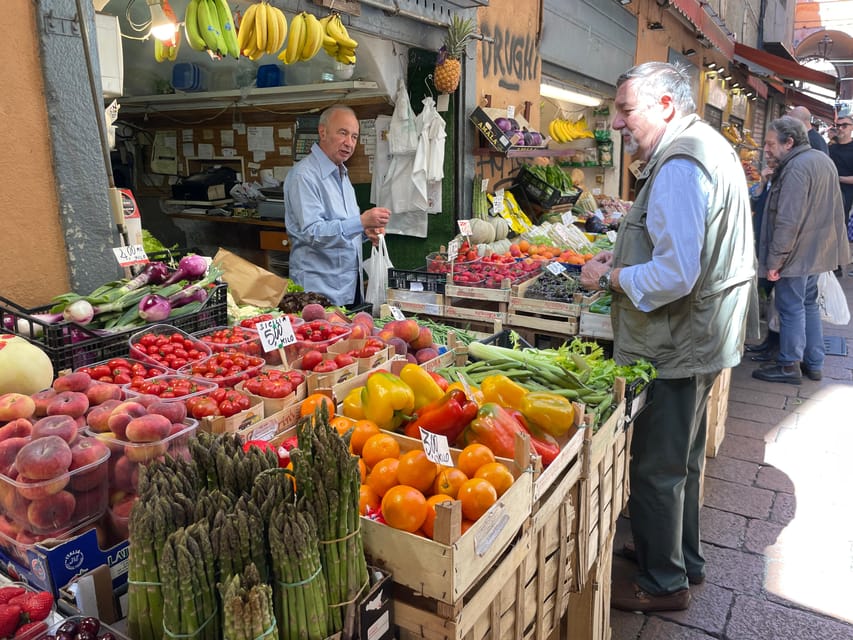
336	41
210	27
164	51
305	39
263	30
563	130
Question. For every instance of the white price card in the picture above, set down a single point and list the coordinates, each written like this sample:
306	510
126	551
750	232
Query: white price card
130	255
484	185
275	333
465	227
396	312
498	201
416	286
555	267
452	249
510	111
568	218
563	233
436	448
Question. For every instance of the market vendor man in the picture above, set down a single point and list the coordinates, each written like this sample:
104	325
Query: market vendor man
321	214
682	277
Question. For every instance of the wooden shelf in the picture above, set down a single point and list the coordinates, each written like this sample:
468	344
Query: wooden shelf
523	153
272	224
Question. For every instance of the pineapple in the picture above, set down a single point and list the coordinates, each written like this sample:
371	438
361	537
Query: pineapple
448	68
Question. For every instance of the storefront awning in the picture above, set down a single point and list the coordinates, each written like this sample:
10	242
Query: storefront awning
785	69
705	24
817	108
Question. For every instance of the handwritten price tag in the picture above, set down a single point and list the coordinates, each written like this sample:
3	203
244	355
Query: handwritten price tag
436	448
510	111
452	249
568	218
556	268
396	313
563	233
130	255
276	333
465	227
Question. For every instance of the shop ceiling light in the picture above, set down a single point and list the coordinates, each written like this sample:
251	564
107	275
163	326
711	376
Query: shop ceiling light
689	51
162	26
567	95
711	65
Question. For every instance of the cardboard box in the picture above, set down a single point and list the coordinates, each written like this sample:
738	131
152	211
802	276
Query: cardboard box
484	120
364	364
237	422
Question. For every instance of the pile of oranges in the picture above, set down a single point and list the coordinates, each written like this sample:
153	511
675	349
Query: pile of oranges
405	486
545	252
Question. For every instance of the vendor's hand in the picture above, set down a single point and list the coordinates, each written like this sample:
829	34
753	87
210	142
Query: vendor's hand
773	275
593	270
375	218
766	172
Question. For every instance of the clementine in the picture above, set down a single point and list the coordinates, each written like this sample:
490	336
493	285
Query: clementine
429	522
416	470
496	474
314	402
473	457
367	498
342	424
362	430
379	446
476	496
383	476
448	480
404	507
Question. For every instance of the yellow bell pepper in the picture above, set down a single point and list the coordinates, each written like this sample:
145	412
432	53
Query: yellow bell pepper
473	392
352	407
549	412
387	400
503	391
426	389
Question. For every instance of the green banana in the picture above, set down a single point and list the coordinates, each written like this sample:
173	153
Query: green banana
207	25
226	23
191	27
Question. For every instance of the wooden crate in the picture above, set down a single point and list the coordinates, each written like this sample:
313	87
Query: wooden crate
542	322
477	303
424	302
596	325
717	411
588	615
519	303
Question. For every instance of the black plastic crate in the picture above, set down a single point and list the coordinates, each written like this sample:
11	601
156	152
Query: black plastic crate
542	193
70	345
402	279
634	405
171	257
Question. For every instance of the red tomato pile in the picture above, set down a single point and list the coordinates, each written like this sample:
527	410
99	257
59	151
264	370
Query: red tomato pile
313	361
121	371
221	402
252	323
169	386
173	350
236	338
320	331
225	368
491	272
274	383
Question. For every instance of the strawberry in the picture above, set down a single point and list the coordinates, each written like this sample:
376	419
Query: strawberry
7	593
31	630
38	605
10	616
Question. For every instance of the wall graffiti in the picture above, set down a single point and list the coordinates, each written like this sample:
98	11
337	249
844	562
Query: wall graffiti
512	58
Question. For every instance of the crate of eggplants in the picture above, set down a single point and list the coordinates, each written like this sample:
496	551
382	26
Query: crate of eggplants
550	287
80	628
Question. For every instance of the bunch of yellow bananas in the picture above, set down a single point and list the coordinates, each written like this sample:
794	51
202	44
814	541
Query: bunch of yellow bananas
210	27
305	39
336	41
565	131
262	30
167	51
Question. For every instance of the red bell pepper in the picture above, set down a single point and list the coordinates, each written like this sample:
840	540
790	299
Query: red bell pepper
544	444
496	426
440	379
447	416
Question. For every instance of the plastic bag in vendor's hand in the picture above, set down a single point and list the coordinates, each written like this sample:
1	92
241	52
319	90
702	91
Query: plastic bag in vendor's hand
376	267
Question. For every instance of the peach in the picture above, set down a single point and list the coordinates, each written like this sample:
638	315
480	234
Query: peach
362	317
100	392
174	411
123	414
53	512
423	355
14	503
124	474
313	311
77	381
401	347
42	398
150	428
112	443
146	399
9	528
423	340
40	489
410	357
88	452
16	405
68	403
145	452
120	516
359	332
386	334
89	504
18	428
80	421
60	425
43	459
99	415
408	330
9	452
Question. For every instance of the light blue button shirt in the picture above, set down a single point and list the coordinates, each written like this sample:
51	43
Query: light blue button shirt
323	224
676	224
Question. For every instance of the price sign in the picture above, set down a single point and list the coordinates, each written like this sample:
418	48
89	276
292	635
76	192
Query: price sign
130	255
563	233
436	448
484	185
416	286
465	227
396	312
568	218
276	333
452	249
510	111
498	201
556	268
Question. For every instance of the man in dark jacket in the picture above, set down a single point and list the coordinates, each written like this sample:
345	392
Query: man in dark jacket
815	139
802	236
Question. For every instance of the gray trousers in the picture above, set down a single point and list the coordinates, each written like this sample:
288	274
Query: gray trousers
667	461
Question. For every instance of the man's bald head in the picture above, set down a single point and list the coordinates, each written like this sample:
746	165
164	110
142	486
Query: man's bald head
803	115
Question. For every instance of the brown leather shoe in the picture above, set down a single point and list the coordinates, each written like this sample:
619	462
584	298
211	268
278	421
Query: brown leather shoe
630	597
629	552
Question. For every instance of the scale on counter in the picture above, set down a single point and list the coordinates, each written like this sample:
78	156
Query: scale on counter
273	207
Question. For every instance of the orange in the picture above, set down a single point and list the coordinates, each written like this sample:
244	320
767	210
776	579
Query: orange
429	522
476	496
378	447
314	402
404	508
383	476
496	474
367	498
466	524
363	429
473	457
447	481
362	469
416	470
524	245
342	424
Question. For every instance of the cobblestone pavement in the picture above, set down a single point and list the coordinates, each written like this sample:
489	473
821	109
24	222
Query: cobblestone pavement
777	520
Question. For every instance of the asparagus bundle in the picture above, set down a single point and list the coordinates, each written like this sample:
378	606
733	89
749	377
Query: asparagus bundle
327	481
247	607
222	464
238	541
190	609
301	605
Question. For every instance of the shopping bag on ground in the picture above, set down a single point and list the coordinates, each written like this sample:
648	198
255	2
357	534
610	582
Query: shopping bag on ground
831	299
376	268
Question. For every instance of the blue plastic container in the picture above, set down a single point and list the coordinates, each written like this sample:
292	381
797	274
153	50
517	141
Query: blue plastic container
270	75
188	76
